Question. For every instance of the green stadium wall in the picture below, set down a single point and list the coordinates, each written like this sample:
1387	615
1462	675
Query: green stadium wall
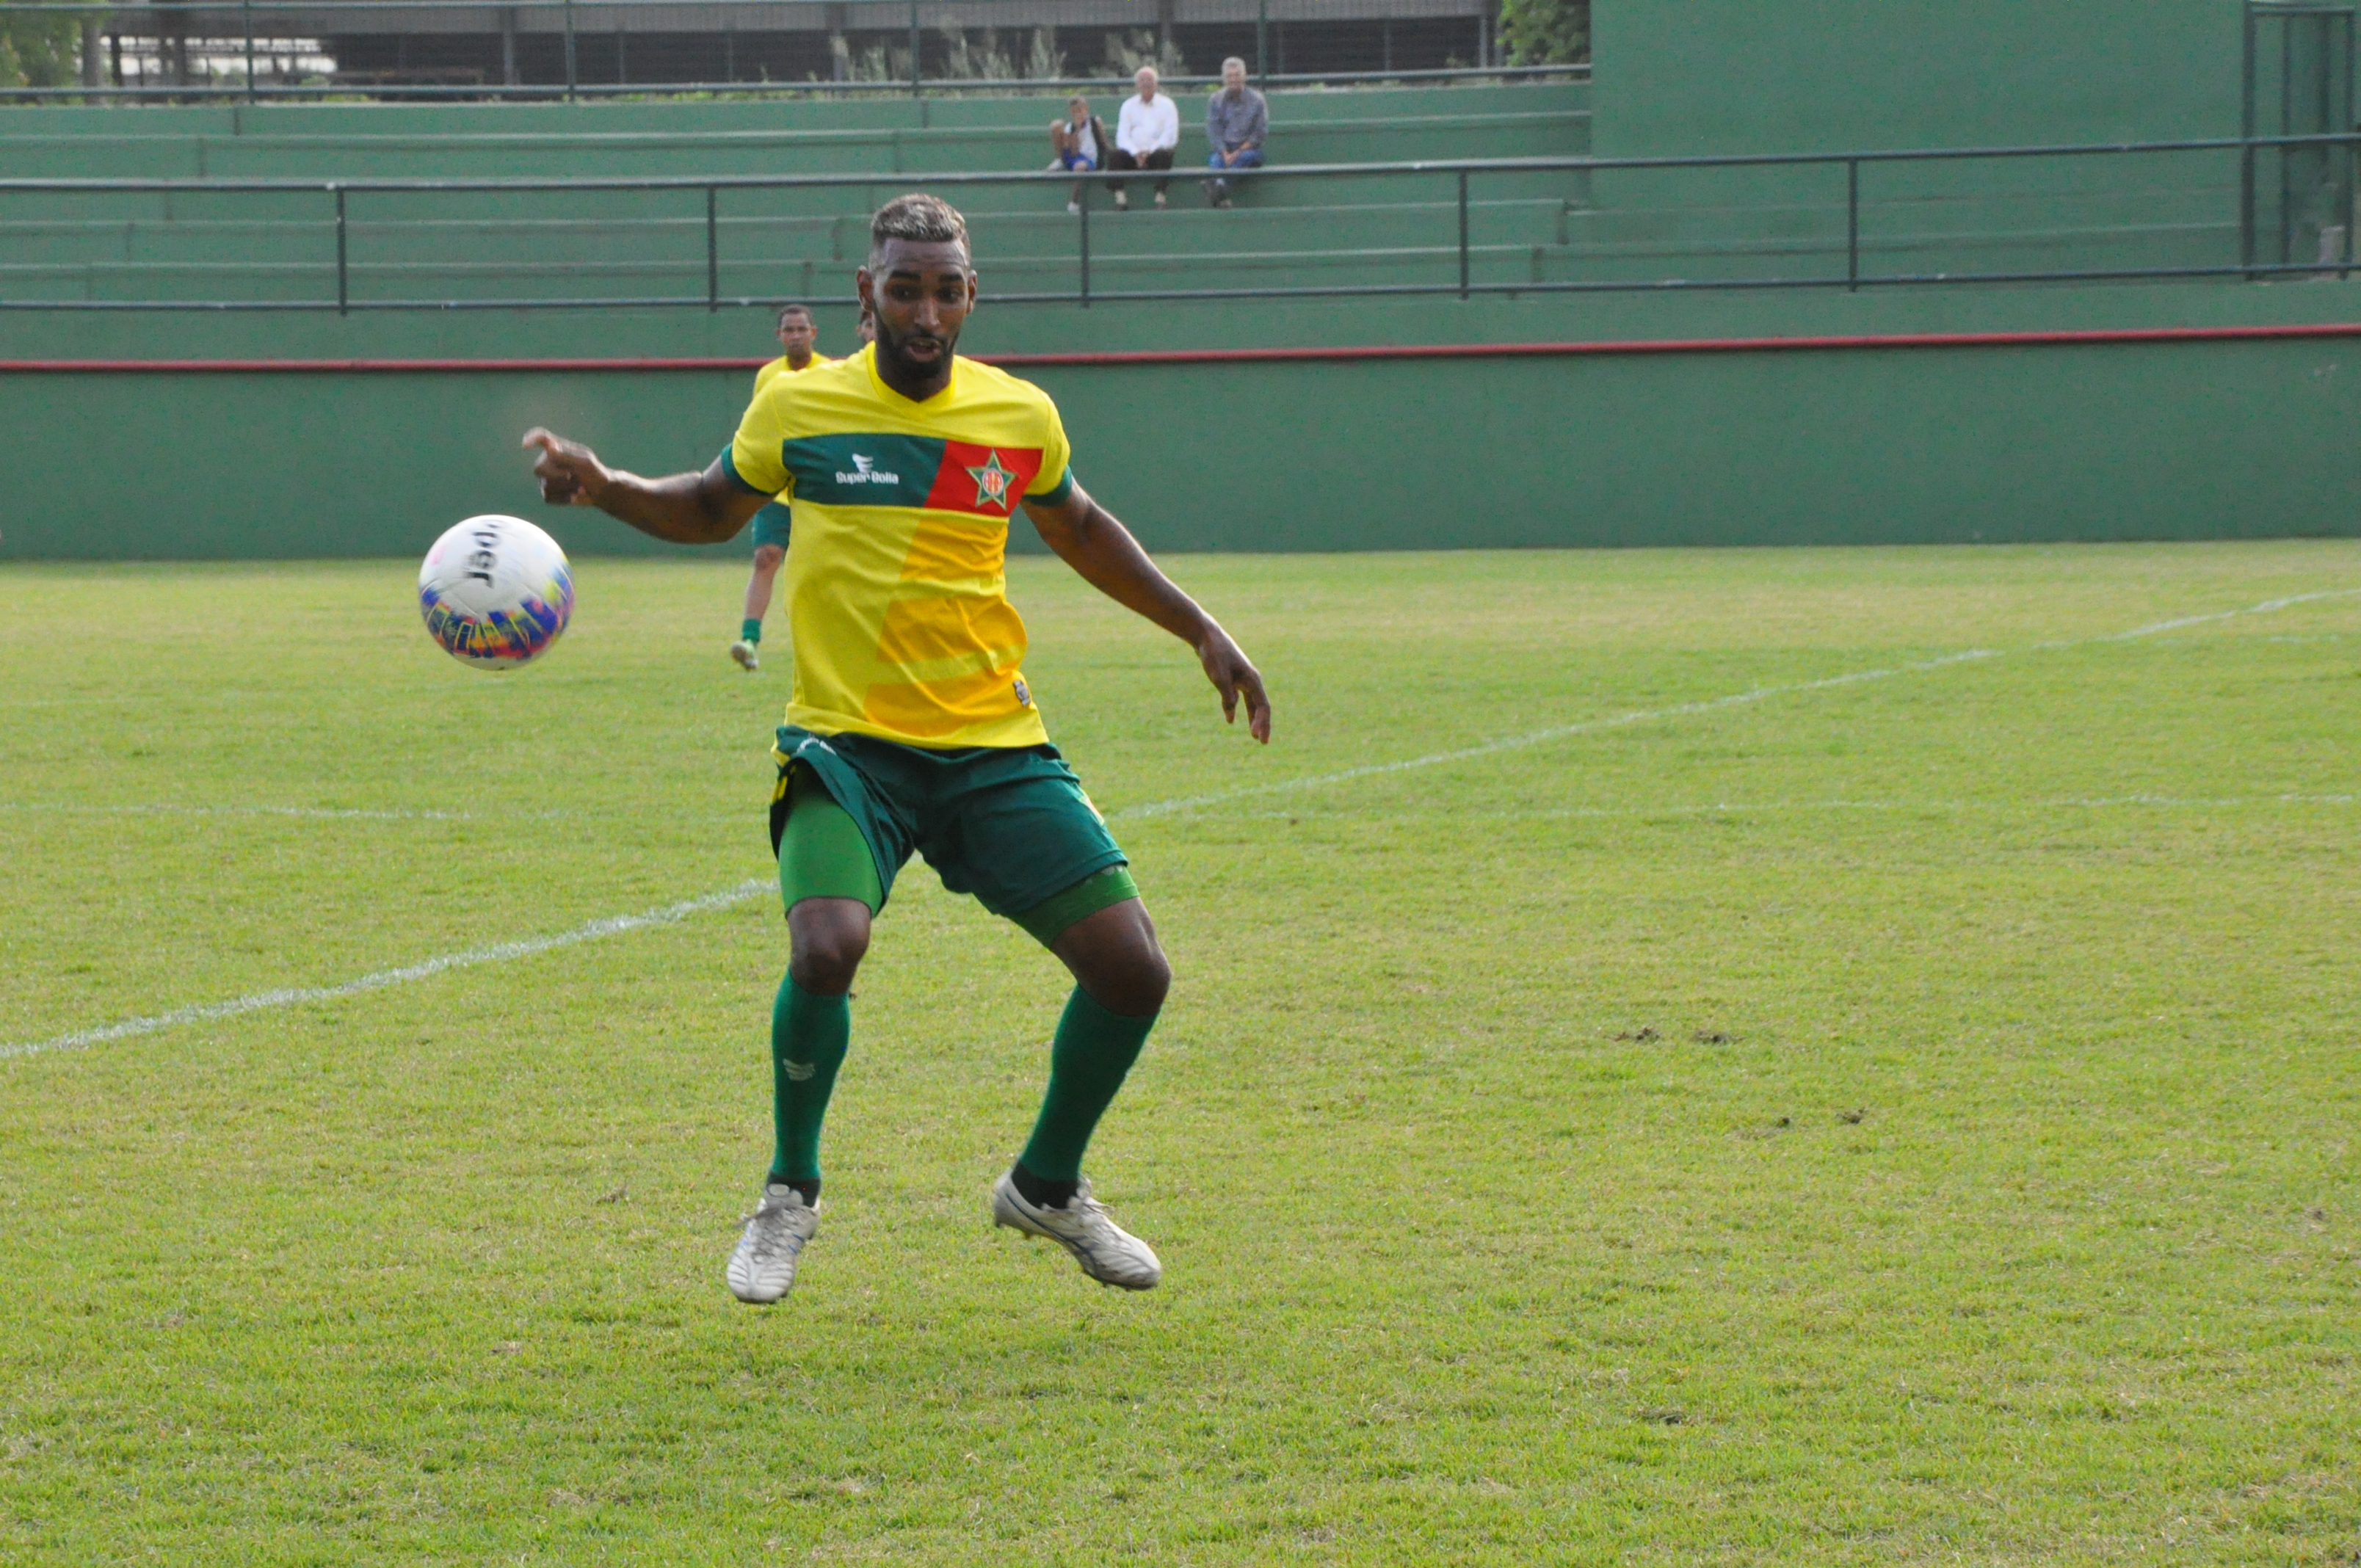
2023	440
1675	77
2090	440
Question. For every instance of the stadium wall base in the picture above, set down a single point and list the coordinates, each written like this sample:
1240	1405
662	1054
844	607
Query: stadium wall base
2171	439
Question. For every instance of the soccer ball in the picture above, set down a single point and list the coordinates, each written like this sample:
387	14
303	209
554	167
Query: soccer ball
496	592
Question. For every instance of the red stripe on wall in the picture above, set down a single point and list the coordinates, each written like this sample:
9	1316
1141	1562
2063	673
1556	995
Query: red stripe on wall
1237	355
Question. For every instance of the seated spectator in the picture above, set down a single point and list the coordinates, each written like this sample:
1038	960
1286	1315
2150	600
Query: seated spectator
1081	141
1146	133
1236	120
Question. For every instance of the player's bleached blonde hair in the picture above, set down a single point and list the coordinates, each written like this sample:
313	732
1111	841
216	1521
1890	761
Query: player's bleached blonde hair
928	220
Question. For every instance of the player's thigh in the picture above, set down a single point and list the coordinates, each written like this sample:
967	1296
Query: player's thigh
1020	833
828	883
822	853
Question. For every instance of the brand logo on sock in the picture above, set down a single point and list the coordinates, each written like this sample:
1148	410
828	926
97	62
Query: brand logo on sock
799	1071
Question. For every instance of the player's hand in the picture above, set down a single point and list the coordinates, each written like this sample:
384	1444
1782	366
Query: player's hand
569	472
1234	676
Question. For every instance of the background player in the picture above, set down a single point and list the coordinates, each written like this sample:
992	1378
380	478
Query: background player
912	729
798	332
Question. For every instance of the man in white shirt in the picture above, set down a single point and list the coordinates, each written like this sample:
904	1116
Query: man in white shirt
1146	133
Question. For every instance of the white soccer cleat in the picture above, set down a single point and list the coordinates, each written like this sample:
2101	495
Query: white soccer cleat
1108	1253
1123	201
763	1269
1073	206
743	652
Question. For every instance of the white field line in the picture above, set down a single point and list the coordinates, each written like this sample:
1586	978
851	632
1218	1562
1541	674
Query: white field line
613	926
2062	803
74	809
1708	705
618	924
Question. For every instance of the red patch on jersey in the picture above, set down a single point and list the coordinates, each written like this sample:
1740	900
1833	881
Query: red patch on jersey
987	481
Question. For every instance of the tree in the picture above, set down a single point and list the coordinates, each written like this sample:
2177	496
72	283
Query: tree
39	49
1544	32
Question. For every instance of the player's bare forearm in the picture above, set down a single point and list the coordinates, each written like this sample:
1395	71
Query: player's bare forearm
686	509
1088	537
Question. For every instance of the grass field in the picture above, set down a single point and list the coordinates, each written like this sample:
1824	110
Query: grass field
1669	1064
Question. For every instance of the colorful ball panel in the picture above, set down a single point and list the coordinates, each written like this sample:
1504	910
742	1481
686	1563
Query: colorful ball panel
496	592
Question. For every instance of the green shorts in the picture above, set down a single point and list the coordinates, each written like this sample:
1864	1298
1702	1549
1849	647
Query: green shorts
771	525
1009	825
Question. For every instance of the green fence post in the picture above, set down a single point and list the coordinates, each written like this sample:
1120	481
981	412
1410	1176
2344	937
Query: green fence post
1853	224
1262	43
712	250
570	81
916	91
344	294
248	8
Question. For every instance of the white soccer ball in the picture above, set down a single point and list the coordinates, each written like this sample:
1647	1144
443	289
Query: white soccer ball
494	591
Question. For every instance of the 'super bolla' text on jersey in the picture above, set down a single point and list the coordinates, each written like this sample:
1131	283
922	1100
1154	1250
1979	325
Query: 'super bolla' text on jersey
896	585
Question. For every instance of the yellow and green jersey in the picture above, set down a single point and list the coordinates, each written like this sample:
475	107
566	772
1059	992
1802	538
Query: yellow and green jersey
779	366
896	586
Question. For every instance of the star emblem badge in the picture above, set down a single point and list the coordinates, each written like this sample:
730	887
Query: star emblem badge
992	482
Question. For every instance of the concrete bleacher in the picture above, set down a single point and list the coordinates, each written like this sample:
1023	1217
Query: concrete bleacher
869	135
280	245
1400	229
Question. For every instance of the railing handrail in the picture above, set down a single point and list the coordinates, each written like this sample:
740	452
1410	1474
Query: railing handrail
2250	264
931	86
1267	173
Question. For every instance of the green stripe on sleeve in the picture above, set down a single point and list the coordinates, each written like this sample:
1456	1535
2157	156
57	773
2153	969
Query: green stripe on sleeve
1056	494
729	466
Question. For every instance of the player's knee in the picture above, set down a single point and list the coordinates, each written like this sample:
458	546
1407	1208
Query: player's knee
827	946
824	967
1137	986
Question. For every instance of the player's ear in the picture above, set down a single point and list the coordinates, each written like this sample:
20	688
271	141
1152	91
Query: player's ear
863	285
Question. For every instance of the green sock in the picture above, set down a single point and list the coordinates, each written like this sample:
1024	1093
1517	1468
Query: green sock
1093	1051
752	632
808	1036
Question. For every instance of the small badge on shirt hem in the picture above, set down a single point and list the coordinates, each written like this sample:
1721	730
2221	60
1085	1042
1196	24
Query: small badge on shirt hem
1024	694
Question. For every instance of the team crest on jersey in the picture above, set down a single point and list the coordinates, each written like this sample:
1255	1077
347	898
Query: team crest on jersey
992	482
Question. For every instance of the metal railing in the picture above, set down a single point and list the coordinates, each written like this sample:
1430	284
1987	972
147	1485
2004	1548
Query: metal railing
1457	180
263	49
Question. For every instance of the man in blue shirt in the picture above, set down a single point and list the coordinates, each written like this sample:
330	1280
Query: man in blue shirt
1236	120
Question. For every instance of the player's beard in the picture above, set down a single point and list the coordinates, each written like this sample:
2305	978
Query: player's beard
889	347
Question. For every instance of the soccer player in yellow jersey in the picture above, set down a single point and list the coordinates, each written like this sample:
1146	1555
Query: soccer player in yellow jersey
798	332
911	730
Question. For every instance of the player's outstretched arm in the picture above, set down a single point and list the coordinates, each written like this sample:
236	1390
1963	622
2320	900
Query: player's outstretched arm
1087	537
687	509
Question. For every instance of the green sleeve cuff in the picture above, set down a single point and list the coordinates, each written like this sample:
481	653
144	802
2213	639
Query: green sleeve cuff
1056	494
729	466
